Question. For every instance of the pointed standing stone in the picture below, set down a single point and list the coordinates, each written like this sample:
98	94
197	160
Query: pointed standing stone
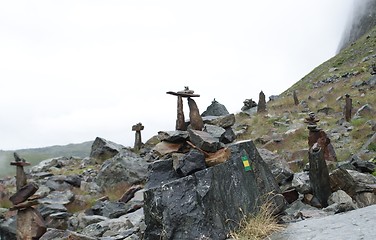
319	175
348	108
296	100
261	106
180	121
194	115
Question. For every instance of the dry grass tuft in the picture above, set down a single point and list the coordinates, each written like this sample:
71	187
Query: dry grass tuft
258	226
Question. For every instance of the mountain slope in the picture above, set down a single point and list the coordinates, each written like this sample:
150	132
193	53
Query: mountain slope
322	91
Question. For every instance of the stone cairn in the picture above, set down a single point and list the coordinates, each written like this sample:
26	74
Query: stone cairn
261	106
30	223
296	100
348	108
248	104
318	171
194	113
137	142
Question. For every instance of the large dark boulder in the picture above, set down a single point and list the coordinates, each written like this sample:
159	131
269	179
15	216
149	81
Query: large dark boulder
103	149
210	203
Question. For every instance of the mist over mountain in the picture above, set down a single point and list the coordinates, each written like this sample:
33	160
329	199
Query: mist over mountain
361	20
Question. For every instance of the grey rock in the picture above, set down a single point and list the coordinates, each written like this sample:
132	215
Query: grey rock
64	235
278	166
8	229
199	205
204	141
215	109
215	131
103	149
364	110
302	183
85	220
220	121
48	209
229	136
116	225
124	167
58	197
173	136
340	201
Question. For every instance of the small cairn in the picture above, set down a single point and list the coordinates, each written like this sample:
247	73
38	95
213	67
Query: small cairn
348	108
30	223
194	114
137	142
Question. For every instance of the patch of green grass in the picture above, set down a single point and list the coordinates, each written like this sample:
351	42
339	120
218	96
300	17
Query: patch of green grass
372	147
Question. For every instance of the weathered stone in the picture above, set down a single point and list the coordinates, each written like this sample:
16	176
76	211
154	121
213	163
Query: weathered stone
363	166
173	136
220	121
365	110
319	175
340	179
340	201
302	183
214	131
248	104
215	109
348	108
291	195
192	162
261	106
180	120
129	194
24	193
103	149
125	167
296	100
48	209
164	148
30	224
278	166
74	180
138	140
198	205
204	140
194	115
57	197
218	157
160	172
64	235
228	137
98	229
364	199
85	220
326	110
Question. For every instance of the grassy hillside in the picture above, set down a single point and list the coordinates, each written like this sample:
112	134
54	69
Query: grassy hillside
36	155
323	88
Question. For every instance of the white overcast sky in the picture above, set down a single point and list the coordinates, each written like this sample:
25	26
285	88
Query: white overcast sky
74	70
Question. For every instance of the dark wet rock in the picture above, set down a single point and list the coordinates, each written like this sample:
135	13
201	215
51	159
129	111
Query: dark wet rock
220	121
215	109
248	104
173	136
160	172
125	167
103	149
197	205
74	180
192	162
363	166
204	141
291	195
228	137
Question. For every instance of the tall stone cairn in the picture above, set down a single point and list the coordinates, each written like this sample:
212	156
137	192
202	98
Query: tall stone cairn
261	106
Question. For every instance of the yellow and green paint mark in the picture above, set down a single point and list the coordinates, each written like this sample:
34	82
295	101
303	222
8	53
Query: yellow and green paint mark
246	163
